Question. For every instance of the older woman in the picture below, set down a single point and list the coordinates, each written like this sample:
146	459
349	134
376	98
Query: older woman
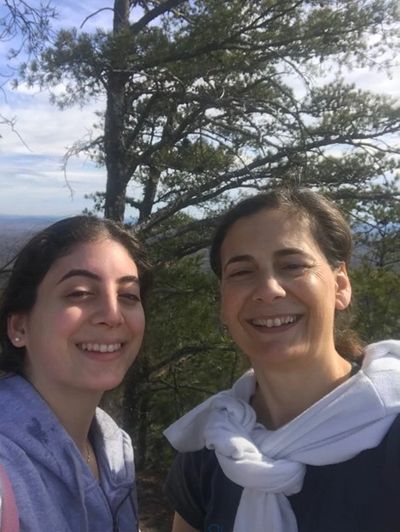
307	440
71	325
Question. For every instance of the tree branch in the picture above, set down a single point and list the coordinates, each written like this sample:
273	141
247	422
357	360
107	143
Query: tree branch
154	13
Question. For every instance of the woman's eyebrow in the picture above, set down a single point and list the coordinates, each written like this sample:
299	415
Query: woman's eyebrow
79	273
87	273
238	258
292	251
128	279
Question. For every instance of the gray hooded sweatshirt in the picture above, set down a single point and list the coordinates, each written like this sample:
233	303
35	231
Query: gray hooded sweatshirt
54	487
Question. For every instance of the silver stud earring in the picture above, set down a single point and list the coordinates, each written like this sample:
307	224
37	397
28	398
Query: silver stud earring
17	339
224	330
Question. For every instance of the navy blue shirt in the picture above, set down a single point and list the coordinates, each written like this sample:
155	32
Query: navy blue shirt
359	495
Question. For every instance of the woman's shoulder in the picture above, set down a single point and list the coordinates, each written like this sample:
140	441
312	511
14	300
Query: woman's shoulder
194	486
358	494
18	395
382	460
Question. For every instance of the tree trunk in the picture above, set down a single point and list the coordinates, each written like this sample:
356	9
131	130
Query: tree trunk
141	432
114	207
149	194
114	146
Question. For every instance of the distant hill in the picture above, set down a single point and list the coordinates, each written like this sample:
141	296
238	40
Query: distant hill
26	221
16	230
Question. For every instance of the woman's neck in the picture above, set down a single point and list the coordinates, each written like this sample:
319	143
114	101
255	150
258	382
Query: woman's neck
281	394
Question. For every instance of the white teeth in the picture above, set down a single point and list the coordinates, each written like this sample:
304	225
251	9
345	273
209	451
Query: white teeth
273	322
102	348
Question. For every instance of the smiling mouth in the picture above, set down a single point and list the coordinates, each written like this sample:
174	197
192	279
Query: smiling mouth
274	323
100	348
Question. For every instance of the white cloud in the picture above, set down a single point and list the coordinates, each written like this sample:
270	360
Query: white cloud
31	176
38	186
43	127
379	82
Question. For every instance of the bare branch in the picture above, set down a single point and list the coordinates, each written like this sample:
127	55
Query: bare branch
10	122
94	14
154	13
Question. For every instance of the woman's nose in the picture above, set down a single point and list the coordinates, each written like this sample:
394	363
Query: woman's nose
268	288
108	311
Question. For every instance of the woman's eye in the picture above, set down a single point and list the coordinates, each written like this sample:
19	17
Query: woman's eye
294	266
79	294
130	297
239	273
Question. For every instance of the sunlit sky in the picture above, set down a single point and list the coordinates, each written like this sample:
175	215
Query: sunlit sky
32	181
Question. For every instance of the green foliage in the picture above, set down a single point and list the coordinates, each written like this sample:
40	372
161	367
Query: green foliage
376	276
184	358
61	63
377	302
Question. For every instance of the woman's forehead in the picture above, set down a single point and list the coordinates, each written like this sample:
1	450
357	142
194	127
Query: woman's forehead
269	231
268	223
97	255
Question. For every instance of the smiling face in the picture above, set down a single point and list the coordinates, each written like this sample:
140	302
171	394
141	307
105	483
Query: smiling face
86	326
279	294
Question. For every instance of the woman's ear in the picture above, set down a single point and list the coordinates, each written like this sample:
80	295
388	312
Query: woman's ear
16	329
343	287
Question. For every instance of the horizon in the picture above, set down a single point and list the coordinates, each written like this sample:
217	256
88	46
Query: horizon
30	216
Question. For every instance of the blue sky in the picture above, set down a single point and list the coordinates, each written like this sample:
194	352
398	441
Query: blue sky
32	181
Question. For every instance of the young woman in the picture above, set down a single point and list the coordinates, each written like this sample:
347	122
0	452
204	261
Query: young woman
309	439
71	325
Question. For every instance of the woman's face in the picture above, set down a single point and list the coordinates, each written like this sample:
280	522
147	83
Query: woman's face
279	294
86	326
